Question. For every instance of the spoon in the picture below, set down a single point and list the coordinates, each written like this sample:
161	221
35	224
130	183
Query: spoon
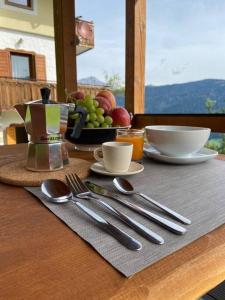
125	187
58	192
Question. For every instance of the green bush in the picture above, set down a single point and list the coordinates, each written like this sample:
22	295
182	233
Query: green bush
215	144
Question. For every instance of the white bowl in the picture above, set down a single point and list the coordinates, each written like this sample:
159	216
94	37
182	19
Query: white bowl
177	141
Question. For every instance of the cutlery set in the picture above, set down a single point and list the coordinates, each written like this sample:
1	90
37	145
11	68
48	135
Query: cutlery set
57	191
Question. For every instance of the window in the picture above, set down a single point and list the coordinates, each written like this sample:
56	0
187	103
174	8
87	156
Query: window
184	57
27	4
21	66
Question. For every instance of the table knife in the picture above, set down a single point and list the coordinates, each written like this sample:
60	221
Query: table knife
118	234
138	227
169	225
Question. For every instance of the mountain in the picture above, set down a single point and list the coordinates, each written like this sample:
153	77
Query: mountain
92	81
181	98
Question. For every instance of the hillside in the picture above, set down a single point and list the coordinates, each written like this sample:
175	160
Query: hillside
183	98
93	81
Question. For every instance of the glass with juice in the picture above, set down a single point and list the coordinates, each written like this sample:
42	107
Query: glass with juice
134	136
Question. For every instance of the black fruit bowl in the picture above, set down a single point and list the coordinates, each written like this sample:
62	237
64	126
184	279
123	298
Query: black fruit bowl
92	136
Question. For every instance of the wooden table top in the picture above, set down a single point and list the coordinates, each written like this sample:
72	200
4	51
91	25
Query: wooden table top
41	258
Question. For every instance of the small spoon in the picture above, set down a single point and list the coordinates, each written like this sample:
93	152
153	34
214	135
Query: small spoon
125	187
58	192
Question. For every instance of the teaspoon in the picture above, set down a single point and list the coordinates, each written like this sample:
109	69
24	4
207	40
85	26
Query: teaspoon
125	187
58	192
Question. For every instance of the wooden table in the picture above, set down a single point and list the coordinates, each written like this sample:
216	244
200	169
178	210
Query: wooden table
41	258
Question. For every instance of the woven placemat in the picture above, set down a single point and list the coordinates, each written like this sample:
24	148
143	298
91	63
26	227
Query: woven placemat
15	172
195	191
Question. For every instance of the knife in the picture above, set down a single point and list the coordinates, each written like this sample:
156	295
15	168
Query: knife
138	227
169	225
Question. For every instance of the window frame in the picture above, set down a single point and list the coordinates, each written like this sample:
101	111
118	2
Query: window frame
135	58
37	64
31	64
29	6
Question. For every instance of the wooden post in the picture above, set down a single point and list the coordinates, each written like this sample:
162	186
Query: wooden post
65	47
135	55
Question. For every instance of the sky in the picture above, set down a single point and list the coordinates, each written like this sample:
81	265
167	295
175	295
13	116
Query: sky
185	40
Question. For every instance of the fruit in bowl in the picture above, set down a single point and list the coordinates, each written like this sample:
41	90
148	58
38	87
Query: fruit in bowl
102	120
120	116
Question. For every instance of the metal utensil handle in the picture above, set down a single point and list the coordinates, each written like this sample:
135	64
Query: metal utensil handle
144	231
169	211
118	234
171	226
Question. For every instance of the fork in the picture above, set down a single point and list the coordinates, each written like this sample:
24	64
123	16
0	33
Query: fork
124	238
81	191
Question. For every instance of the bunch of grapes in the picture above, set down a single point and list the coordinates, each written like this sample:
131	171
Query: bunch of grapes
95	115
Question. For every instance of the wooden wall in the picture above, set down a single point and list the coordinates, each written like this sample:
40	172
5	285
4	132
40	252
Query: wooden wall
19	91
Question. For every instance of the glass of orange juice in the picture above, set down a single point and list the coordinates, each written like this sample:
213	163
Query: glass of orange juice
134	136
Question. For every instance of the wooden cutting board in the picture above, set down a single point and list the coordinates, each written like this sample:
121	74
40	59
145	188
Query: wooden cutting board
15	172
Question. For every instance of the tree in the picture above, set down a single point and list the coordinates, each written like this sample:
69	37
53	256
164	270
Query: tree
116	83
209	104
215	144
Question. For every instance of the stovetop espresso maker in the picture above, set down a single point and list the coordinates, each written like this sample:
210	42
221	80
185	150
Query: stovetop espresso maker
46	123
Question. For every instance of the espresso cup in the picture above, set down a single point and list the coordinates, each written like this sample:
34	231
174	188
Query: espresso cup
115	156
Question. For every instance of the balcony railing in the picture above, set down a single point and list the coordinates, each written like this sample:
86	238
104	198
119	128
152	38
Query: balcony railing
19	91
84	32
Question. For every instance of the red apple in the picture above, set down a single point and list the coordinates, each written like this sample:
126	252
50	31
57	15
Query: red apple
104	103
78	95
108	95
120	117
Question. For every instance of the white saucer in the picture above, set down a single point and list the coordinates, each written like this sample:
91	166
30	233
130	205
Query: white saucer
133	169
202	155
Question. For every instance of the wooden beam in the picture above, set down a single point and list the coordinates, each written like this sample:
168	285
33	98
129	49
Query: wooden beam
214	121
65	47
135	55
